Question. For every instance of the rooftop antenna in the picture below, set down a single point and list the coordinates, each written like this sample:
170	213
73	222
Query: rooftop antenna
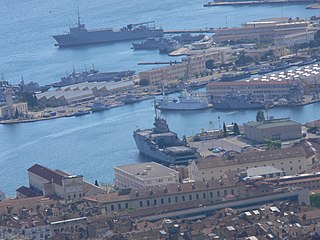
211	127
78	16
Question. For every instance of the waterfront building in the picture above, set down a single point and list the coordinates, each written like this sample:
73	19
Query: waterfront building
189	67
144	175
82	92
255	89
50	182
274	129
289	160
10	108
264	28
294	38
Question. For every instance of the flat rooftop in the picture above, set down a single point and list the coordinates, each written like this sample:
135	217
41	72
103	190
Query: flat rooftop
147	170
272	123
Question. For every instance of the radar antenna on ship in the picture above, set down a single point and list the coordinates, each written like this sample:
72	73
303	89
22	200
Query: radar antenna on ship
78	16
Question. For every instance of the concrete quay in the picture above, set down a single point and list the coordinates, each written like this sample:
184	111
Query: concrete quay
214	4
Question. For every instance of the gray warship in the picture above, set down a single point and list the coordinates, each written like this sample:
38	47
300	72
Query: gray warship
163	145
234	102
79	35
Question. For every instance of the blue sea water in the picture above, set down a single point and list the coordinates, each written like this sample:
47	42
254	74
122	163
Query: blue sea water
92	145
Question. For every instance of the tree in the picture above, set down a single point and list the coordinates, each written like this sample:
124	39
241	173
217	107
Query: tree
244	59
96	183
16	115
236	130
210	65
224	130
260	116
144	82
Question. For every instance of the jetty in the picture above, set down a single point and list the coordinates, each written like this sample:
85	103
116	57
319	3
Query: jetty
205	30
158	63
254	2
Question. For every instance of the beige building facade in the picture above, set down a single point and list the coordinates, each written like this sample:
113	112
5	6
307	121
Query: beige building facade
290	160
261	89
295	38
276	129
189	67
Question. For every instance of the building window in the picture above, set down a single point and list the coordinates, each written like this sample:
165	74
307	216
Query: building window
126	205
119	206
232	192
112	208
141	204
148	203
169	200
211	194
218	193
204	195
190	197
183	198
197	196
176	199
162	201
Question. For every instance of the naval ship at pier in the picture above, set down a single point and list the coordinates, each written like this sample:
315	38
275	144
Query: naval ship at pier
163	145
80	35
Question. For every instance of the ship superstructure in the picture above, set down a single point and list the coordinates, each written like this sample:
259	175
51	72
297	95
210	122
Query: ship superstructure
163	145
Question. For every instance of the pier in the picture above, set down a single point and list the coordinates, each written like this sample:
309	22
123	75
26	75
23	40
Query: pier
205	30
234	3
158	63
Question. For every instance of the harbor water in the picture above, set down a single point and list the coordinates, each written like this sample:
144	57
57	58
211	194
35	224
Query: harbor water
93	144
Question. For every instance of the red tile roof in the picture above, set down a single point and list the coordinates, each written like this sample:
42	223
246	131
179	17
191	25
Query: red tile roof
47	174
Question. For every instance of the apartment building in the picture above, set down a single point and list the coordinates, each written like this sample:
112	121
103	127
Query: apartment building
294	38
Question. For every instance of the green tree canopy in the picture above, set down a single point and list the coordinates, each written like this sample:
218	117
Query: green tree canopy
236	130
144	82
260	116
244	59
210	64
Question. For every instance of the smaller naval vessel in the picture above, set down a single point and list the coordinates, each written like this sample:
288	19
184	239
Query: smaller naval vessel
233	102
163	145
186	101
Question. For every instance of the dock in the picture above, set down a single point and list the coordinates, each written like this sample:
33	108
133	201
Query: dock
254	2
158	63
205	30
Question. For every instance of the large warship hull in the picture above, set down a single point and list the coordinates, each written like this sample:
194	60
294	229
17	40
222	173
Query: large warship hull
236	103
183	106
104	36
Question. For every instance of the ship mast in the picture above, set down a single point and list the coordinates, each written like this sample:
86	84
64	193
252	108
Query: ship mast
78	16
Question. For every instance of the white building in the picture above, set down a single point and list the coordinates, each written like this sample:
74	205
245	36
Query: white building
144	175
